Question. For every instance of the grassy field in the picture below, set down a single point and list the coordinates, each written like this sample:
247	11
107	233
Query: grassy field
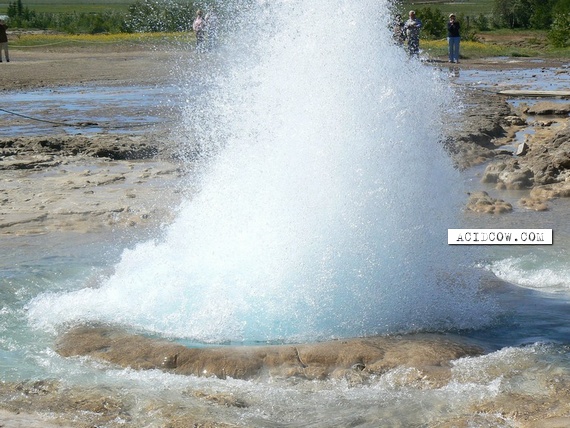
71	5
492	43
507	44
56	42
65	40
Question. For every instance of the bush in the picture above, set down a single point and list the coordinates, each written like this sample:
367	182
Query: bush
159	16
541	17
559	34
481	22
536	14
433	23
561	7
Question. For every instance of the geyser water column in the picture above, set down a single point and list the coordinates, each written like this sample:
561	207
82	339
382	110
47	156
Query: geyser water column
324	200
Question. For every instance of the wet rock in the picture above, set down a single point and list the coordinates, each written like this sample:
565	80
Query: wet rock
534	204
32	162
522	149
502	153
54	398
473	141
492	172
228	400
508	174
27	150
546	162
545	123
515	121
170	362
531	411
315	361
515	178
548	108
482	202
551	191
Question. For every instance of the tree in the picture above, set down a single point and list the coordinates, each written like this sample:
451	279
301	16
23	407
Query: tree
561	7
19	14
433	23
156	16
12	10
559	35
514	13
542	14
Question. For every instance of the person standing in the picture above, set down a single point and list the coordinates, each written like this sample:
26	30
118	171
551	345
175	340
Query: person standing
412	29
453	38
199	27
4	41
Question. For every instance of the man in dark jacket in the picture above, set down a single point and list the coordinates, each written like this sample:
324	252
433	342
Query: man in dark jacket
4	41
453	38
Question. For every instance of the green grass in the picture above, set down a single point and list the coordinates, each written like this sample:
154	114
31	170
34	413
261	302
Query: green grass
434	48
54	41
438	48
473	50
67	6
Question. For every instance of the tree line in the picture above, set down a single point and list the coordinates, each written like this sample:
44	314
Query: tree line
550	15
177	15
142	16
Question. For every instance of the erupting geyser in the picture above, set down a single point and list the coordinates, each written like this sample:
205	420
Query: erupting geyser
324	199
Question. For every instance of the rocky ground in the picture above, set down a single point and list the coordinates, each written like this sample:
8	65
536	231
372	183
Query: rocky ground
86	183
539	164
91	183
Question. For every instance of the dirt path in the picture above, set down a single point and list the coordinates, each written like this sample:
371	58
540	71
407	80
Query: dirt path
32	68
136	64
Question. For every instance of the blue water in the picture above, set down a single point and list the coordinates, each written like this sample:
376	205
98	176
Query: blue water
527	343
89	109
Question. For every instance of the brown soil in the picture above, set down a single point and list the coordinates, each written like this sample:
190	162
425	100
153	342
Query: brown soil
46	67
119	64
